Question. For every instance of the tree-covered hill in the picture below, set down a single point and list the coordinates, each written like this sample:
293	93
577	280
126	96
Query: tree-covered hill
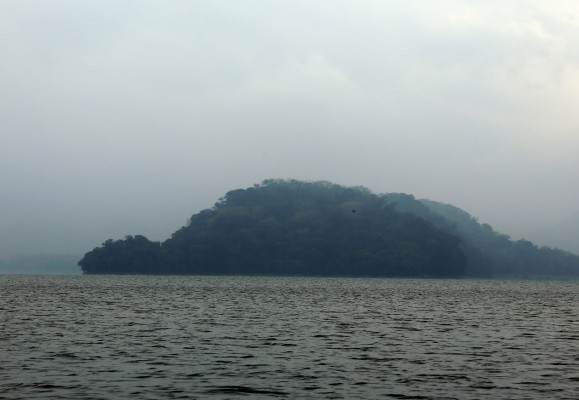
289	227
489	253
507	257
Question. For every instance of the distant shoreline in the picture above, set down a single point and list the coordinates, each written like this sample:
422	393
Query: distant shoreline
545	278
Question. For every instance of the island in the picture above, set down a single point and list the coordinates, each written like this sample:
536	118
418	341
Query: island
296	228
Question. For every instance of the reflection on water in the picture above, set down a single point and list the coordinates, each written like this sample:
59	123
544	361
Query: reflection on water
232	337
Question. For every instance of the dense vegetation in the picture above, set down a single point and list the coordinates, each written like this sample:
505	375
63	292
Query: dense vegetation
290	227
489	253
503	256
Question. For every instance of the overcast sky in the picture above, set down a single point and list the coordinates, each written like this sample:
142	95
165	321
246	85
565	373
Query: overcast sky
126	117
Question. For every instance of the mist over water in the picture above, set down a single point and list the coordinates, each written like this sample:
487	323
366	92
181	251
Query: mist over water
230	337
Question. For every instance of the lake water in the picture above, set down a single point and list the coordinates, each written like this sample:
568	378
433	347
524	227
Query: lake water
121	337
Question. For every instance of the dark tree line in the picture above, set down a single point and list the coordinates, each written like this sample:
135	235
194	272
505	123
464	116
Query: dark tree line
133	255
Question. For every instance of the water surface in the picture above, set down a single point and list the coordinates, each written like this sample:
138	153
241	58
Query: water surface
104	337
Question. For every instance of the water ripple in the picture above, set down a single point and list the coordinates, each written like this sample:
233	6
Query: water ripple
201	337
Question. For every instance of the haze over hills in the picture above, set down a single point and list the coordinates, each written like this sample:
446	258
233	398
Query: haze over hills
42	264
289	227
563	234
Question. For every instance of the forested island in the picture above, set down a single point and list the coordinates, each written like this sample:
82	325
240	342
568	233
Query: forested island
295	228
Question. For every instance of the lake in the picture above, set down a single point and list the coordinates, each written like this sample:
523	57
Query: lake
150	337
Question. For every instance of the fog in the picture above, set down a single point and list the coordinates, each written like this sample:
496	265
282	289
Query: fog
128	117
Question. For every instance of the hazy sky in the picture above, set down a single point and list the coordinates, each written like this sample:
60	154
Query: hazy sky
125	117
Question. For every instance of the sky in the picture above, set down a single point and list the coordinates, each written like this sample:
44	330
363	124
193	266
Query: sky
121	118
